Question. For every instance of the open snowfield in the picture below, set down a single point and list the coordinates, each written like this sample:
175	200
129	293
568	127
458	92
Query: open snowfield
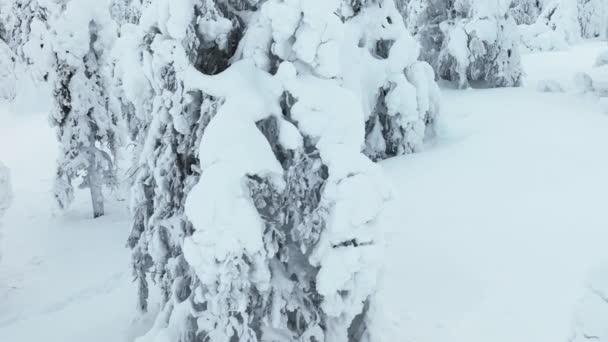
491	234
499	224
51	288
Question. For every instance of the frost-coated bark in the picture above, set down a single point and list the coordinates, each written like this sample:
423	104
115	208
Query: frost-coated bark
468	40
262	117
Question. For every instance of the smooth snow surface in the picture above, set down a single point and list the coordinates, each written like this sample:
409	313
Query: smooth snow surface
561	66
66	277
496	228
492	230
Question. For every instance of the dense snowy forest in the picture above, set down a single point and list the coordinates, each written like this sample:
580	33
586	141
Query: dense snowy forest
303	170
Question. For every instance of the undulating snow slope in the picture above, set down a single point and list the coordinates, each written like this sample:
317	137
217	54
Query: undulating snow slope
492	230
497	226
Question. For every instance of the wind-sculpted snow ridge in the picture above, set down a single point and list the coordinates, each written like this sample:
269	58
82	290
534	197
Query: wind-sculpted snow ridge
283	244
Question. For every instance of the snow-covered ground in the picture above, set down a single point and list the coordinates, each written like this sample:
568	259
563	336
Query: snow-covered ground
496	227
492	230
561	66
63	277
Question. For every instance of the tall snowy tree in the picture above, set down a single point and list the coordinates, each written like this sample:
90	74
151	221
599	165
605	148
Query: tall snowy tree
7	56
7	72
65	42
556	27
525	11
468	41
593	18
556	24
421	15
271	107
166	122
561	16
28	36
83	117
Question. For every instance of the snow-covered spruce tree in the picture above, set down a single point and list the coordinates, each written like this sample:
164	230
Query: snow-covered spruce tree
85	123
423	19
283	245
593	18
6	194
7	72
525	11
26	24
7	57
421	15
556	27
560	23
395	124
470	41
166	122
562	18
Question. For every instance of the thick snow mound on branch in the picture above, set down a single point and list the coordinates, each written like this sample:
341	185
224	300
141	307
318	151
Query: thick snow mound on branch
225	219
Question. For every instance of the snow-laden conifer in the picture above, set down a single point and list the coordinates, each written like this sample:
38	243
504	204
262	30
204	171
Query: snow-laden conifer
468	41
525	11
165	122
80	36
556	27
26	28
593	18
265	115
